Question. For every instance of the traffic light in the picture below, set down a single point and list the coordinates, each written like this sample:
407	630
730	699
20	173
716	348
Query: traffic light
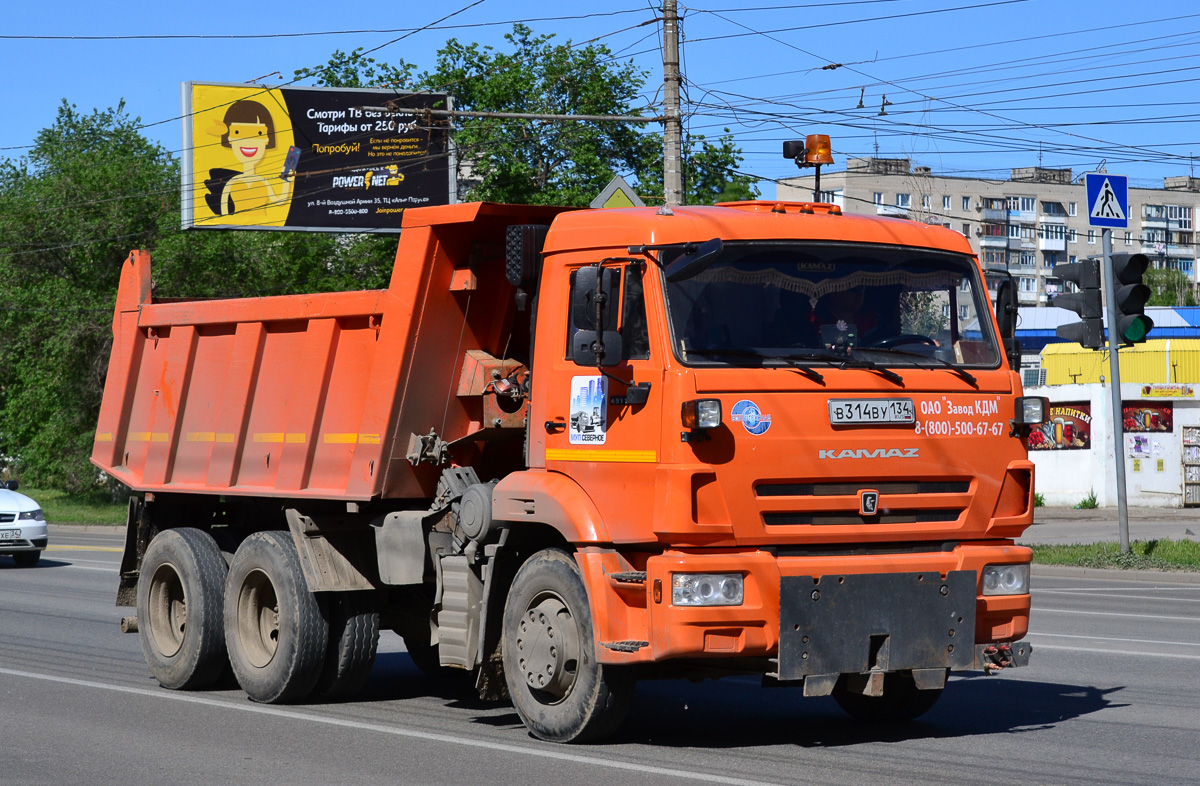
1089	330
1131	297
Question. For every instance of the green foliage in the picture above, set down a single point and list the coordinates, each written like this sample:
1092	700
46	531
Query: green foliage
1169	288
1089	502
62	507
1146	555
92	188
921	313
358	70
1039	501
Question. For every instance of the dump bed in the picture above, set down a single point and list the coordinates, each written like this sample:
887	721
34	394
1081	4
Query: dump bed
313	395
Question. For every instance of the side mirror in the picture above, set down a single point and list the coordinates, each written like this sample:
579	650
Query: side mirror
695	262
1006	320
592	348
595	293
11	485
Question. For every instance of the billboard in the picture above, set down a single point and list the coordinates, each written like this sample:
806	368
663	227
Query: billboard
1146	417
326	159
1069	427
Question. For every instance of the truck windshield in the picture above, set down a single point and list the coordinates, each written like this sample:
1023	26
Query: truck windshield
892	305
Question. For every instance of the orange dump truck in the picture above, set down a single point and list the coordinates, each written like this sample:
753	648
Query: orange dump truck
566	450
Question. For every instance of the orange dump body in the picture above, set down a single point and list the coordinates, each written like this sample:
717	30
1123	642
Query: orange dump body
312	395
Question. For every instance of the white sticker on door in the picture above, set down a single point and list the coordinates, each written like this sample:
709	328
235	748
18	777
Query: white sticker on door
589	410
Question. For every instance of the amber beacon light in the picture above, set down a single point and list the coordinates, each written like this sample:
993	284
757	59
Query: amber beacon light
815	151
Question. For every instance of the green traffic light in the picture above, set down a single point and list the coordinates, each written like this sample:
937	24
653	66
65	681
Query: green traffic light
1134	329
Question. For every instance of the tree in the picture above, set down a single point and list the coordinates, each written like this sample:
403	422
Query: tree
549	161
1169	288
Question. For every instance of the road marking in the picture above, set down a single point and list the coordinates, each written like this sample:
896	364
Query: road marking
84	548
398	731
1041	646
1109	638
1117	614
1140	597
1085	590
88	567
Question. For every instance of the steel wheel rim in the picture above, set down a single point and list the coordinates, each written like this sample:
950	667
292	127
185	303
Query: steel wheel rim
167	607
258	619
547	644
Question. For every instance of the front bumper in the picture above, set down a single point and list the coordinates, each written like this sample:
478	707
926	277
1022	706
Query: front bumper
22	536
753	628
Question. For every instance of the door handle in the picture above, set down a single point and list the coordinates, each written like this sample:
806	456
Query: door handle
554	426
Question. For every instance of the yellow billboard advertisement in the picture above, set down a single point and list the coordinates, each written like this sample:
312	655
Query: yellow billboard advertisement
311	158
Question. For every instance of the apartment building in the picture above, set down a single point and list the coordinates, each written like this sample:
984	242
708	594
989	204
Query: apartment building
1028	224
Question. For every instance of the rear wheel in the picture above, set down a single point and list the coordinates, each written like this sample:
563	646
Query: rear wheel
26	559
179	590
275	628
558	688
353	640
901	700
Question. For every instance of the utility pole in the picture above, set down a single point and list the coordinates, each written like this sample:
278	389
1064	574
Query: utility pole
673	124
1114	372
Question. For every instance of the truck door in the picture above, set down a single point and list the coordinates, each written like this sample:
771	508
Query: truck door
586	422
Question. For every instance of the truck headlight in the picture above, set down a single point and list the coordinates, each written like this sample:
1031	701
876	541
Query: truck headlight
706	589
1032	410
1005	579
32	515
702	413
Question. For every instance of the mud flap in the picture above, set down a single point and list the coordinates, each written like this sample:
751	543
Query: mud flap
850	624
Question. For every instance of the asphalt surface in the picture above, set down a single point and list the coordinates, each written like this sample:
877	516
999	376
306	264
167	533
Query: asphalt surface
1056	526
1108	698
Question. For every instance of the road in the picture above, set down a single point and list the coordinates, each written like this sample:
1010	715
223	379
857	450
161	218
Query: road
1110	697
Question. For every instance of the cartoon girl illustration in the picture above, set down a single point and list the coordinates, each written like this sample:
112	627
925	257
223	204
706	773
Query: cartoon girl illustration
249	132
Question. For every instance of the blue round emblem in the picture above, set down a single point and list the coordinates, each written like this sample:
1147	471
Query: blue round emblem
751	417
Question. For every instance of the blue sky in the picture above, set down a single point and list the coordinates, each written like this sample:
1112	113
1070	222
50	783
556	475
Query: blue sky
972	91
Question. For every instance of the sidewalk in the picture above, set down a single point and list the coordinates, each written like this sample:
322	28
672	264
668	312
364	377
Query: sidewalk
1058	526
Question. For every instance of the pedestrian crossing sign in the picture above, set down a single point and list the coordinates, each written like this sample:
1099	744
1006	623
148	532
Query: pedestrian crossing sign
1107	200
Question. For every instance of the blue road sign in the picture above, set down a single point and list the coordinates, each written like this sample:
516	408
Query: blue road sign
1107	200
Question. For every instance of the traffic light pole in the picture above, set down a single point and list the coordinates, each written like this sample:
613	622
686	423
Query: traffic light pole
1114	372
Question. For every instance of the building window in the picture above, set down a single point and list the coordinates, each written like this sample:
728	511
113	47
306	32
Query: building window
946	202
1154	212
1092	237
1181	214
1053	209
1072	210
1070	235
1012	203
1054	231
1026	259
1129	238
1050	259
903	200
1071	259
946	311
1027	204
946	225
966	230
1026	284
966	203
878	198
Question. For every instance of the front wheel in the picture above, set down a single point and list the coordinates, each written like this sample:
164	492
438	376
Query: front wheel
275	628
26	559
901	700
558	688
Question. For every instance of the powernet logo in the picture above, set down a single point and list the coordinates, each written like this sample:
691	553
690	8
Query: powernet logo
751	417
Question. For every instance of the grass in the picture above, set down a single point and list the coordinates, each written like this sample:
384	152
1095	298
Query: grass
1143	555
1089	502
61	507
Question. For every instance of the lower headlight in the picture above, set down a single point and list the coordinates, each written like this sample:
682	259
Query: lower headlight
1005	579
706	589
32	515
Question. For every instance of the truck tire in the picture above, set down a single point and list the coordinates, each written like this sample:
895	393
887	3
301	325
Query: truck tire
179	589
901	700
26	559
275	628
558	688
353	640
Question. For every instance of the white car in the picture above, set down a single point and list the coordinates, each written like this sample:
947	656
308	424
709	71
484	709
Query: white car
22	526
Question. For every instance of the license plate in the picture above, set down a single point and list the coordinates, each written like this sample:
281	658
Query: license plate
850	411
10	534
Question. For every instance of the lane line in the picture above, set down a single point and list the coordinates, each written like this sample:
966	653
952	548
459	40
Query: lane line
88	567
1116	614
1041	646
1139	597
1110	638
1085	590
64	547
397	731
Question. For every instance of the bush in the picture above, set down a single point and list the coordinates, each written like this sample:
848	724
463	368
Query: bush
1088	502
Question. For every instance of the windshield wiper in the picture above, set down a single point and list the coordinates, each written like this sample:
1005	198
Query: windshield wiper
790	359
961	372
871	365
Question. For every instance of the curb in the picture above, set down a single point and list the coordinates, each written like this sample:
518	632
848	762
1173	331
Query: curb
1159	576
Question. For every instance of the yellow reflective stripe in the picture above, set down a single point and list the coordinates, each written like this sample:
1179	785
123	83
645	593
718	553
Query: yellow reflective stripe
224	437
295	439
368	439
158	436
340	439
274	436
147	436
104	436
600	454
200	436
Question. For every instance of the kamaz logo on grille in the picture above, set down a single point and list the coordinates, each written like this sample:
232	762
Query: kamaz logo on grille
870	453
